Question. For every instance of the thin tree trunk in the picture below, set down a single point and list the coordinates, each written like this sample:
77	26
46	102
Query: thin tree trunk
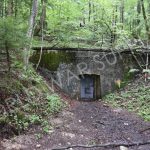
148	35
145	19
16	8
94	13
8	55
147	64
38	29
32	18
1	8
5	8
114	21
122	13
138	11
30	29
43	15
42	27
138	17
90	11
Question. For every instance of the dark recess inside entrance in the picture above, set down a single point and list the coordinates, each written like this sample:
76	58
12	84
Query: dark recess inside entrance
90	87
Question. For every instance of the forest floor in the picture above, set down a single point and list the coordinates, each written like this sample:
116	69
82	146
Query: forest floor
86	123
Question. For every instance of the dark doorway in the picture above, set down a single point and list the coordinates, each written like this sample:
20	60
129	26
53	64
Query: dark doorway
90	87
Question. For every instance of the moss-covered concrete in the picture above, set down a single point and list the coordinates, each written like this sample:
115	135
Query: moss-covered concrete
69	64
51	60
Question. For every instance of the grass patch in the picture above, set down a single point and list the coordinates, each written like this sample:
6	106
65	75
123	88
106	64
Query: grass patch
135	100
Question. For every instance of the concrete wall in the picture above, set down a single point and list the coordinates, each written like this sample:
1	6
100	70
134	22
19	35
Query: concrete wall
108	66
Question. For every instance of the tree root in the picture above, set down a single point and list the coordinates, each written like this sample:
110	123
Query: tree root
104	145
145	130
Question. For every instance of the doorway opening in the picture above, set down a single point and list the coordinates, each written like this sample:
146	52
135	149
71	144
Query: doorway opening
90	87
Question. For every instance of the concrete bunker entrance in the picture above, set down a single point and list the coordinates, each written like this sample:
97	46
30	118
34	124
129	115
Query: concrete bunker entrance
90	87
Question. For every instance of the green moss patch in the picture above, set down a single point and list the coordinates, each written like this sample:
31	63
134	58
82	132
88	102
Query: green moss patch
52	60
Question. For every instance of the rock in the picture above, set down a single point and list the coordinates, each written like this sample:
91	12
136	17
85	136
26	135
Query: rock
24	139
126	124
71	135
38	145
10	146
57	121
67	113
50	131
68	143
118	110
123	148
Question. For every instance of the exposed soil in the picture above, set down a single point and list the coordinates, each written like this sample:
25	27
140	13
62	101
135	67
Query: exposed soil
85	123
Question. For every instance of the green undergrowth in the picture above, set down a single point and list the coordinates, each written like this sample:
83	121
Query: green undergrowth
134	99
26	99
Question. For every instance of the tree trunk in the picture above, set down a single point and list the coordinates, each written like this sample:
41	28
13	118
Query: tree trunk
148	34
138	11
32	18
114	21
122	13
90	7
145	19
43	15
31	29
42	22
16	8
138	32
8	55
10	8
1	8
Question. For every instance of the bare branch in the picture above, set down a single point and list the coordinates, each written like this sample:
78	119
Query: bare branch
104	145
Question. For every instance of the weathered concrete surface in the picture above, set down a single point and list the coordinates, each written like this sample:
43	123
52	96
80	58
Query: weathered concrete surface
109	66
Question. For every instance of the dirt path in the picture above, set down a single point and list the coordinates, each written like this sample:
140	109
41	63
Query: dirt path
85	123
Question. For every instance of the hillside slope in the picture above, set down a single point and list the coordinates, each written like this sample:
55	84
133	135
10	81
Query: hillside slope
25	99
135	97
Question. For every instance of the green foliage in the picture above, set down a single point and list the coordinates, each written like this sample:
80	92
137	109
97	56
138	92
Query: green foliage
30	99
69	23
54	103
35	119
7	83
46	126
18	120
11	34
136	100
66	16
38	136
17	64
32	75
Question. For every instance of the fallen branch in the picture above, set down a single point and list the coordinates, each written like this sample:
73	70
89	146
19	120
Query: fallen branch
145	130
104	145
